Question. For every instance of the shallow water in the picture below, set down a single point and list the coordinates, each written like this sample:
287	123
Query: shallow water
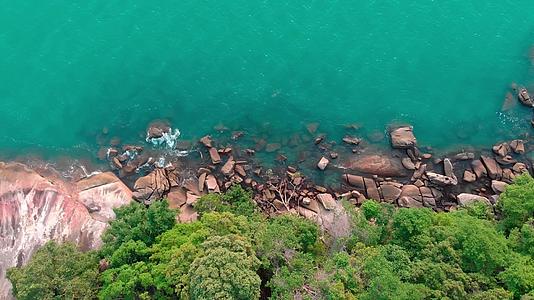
71	68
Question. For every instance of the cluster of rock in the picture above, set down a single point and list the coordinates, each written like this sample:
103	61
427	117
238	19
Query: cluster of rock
35	209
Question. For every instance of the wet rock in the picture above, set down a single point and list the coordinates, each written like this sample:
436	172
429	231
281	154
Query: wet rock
352	140
498	186
464	156
157	129
501	149
469	176
323	162
334	155
441	180
327	201
518	146
525	98
380	165
403	137
228	168
250	152
465	199
494	170
207	141
215	157
507	160
319	139
117	163
408	163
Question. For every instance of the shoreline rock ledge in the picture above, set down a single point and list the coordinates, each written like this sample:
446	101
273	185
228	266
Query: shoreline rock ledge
35	209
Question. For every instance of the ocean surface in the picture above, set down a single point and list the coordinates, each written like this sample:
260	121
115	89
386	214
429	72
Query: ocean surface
69	69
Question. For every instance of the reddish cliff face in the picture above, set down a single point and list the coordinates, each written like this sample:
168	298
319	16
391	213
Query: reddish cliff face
35	209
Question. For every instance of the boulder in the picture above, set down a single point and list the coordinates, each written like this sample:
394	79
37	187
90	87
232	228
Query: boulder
403	138
157	129
448	168
371	189
212	185
327	201
498	186
374	164
408	163
464	156
520	168
355	181
228	168
103	191
493	168
307	213
177	197
390	192
323	162
465	199
501	149
409	202
187	214
207	141
214	155
469	176
478	168
411	191
441	180
518	146
154	186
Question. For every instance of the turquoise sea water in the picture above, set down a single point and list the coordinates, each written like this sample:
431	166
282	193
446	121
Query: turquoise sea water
70	68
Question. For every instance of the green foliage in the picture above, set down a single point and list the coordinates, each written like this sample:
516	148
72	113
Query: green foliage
517	202
225	270
236	200
135	222
56	272
391	254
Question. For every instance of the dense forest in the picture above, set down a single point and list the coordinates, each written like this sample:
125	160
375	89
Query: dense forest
234	252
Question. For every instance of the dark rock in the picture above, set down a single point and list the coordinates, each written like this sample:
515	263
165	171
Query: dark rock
334	155
312	127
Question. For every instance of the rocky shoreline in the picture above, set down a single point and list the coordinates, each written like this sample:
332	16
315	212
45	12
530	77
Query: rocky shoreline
310	179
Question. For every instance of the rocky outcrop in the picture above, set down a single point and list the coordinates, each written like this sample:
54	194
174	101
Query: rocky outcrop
35	209
154	186
375	164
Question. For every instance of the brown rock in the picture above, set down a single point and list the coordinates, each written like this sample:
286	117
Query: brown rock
419	172
409	202
498	186
154	186
520	168
207	141
323	162
177	197
390	192
187	214
469	176
191	198
501	149
211	182
403	137
407	163
228	168
411	191
494	170
371	189
380	165
117	163
464	156
355	181
215	157
441	180
518	146
202	181
157	129
334	155
448	168
240	170
478	168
